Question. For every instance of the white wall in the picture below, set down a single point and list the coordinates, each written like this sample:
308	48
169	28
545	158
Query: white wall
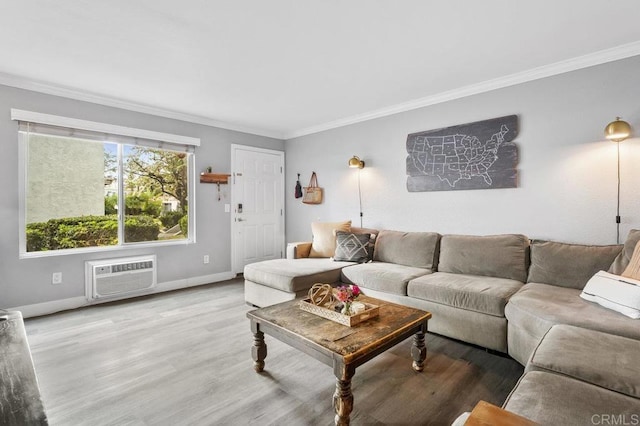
28	281
567	189
567	171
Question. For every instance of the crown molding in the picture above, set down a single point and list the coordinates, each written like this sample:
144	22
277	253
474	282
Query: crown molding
80	95
573	64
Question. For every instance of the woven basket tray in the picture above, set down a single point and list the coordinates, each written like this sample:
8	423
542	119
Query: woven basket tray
370	311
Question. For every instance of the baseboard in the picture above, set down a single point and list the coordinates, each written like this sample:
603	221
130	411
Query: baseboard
194	281
46	308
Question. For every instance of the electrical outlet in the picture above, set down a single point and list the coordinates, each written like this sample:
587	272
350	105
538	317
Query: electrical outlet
56	278
205	259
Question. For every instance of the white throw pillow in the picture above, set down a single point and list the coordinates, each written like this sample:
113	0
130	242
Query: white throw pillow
324	237
615	292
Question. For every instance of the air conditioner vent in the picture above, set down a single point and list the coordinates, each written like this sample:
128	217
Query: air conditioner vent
117	278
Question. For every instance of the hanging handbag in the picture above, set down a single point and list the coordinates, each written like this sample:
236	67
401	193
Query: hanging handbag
298	193
312	193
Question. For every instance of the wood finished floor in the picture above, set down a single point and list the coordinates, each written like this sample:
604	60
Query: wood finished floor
183	358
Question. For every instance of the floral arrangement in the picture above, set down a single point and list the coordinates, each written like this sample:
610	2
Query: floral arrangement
347	294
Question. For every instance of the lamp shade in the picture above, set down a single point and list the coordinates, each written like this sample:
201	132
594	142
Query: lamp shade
617	130
356	163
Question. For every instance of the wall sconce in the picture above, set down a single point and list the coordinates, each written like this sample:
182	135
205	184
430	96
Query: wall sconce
617	131
356	163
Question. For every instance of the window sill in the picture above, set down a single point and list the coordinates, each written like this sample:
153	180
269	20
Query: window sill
103	249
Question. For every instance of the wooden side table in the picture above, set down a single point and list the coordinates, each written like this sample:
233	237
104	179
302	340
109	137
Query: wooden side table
485	414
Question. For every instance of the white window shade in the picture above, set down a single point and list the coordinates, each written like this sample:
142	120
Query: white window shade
38	123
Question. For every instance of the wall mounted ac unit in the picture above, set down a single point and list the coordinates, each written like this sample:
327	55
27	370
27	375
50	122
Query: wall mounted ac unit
118	278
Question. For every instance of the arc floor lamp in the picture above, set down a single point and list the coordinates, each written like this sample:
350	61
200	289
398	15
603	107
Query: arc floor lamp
617	131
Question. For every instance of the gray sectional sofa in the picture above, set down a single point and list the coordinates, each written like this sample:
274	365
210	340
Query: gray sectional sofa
502	292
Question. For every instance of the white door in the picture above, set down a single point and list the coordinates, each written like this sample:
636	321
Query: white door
257	205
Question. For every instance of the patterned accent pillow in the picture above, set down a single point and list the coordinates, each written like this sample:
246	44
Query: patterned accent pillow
352	247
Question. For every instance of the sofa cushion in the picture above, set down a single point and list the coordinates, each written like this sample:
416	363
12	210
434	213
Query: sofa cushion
294	274
568	265
602	359
487	295
324	237
381	276
621	262
552	399
488	331
502	256
535	308
417	249
351	247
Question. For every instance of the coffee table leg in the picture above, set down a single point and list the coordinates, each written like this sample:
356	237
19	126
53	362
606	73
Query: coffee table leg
259	349
418	351
342	397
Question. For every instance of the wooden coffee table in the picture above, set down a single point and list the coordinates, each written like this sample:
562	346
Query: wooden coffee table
340	347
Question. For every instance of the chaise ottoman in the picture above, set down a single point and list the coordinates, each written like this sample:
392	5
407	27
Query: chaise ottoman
576	376
279	280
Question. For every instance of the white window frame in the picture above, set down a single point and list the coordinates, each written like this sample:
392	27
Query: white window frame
73	123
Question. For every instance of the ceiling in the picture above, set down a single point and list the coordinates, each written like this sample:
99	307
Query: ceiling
285	68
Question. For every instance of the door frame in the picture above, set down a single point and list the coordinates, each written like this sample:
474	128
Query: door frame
234	202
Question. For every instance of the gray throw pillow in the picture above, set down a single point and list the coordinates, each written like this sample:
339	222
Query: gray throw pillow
351	247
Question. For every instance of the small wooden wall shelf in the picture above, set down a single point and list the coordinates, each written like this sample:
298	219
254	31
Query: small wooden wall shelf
218	178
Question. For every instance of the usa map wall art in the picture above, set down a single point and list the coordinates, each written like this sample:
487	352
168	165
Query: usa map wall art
479	155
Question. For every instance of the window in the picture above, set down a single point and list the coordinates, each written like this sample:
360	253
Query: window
88	189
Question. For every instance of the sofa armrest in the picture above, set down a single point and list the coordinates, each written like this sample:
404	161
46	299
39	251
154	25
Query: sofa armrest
298	250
